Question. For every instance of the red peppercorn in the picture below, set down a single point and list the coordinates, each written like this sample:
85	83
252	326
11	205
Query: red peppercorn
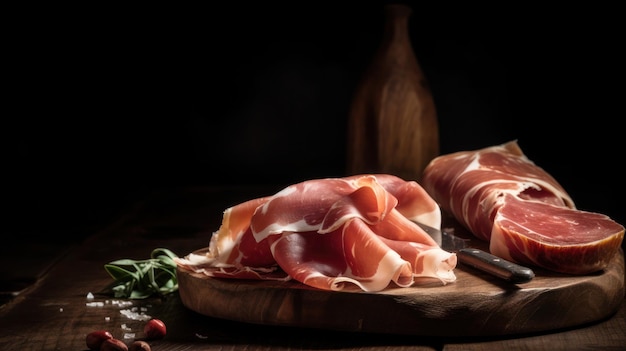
113	345
154	329
139	345
95	339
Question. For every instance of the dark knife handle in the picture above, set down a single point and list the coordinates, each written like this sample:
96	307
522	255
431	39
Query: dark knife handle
495	265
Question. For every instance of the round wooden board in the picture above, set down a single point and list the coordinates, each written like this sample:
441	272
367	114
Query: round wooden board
475	305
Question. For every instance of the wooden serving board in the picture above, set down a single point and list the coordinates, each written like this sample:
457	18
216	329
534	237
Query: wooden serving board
475	305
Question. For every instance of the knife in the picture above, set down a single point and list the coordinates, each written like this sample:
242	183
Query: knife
480	259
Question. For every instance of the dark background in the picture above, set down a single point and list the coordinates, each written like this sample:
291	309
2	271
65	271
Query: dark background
103	104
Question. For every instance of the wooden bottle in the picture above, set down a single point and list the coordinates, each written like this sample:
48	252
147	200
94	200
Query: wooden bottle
392	125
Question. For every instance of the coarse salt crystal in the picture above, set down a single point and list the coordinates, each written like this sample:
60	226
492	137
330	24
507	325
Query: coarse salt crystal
129	335
90	296
121	303
136	316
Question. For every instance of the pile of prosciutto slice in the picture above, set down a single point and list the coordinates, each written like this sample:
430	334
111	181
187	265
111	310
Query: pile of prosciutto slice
502	197
337	233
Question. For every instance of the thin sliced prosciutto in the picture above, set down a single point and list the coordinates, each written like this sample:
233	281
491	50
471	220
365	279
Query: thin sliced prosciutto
336	233
503	197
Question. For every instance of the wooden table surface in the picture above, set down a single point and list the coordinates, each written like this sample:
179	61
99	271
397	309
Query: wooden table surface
55	313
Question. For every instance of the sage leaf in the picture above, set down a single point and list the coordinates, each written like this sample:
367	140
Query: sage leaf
140	279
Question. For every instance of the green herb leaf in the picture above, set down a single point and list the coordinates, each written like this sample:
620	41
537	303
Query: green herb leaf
140	279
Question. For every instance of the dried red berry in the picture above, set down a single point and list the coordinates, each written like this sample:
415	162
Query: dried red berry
113	345
95	339
139	345
154	329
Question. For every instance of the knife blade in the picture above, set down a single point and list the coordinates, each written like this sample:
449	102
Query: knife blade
479	259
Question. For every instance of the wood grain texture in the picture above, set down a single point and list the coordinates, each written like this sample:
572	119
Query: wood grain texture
475	305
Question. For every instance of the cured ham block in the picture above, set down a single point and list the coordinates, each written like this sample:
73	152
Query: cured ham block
336	233
504	198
